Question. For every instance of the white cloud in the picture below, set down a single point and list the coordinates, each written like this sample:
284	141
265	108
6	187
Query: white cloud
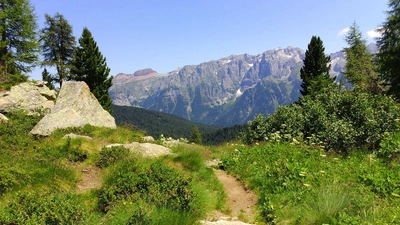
374	33
343	32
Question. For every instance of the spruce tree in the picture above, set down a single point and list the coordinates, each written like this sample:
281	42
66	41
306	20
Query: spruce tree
315	71
58	45
90	66
389	49
46	76
360	68
196	136
19	46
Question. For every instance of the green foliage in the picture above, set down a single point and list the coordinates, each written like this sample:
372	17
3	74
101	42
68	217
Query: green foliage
18	41
43	208
223	135
73	154
155	182
256	130
390	146
299	185
196	136
57	45
335	119
90	66
109	156
156	123
315	66
389	48
46	76
360	68
324	204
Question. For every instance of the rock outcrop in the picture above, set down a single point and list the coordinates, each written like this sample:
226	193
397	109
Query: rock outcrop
145	149
75	106
30	96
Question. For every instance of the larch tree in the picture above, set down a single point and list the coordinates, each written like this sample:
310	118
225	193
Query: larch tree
90	66
360	68
389	49
58	45
196	136
19	46
315	71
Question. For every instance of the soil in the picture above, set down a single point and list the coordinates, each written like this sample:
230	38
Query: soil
240	203
91	179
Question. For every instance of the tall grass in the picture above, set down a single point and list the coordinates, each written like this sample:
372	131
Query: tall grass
300	185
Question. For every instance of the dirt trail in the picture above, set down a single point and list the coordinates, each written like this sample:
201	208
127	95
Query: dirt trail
91	179
240	202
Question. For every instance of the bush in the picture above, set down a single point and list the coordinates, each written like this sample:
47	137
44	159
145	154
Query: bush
155	182
390	145
109	156
43	208
337	120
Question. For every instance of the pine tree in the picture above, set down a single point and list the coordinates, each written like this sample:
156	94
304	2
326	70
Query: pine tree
57	45
360	68
18	41
389	49
196	136
315	72
90	66
46	76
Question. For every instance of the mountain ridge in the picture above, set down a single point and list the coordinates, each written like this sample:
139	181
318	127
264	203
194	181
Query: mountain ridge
224	92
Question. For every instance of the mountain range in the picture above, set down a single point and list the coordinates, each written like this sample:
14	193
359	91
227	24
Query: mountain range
224	92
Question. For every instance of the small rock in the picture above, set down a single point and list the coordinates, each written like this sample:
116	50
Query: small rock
75	136
3	118
148	139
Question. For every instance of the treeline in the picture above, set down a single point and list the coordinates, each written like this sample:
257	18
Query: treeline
155	123
22	43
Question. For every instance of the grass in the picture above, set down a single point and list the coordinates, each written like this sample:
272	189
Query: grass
176	189
300	185
295	184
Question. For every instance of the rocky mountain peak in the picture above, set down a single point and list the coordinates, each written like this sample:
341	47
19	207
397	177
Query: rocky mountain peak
227	91
140	74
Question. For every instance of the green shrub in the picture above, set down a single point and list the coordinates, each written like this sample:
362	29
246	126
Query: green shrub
338	120
300	185
43	208
155	182
11	177
109	156
73	154
390	145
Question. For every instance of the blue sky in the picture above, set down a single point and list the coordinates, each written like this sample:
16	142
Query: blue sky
167	34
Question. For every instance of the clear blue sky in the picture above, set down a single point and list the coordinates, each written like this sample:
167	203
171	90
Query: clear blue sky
167	34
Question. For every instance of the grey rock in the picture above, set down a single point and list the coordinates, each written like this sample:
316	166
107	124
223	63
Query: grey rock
145	149
29	96
75	106
148	139
75	136
3	119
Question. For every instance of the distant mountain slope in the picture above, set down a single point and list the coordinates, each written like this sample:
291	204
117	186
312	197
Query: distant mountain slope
155	123
222	92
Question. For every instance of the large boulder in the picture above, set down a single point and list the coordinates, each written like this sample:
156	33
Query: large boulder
29	96
75	106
